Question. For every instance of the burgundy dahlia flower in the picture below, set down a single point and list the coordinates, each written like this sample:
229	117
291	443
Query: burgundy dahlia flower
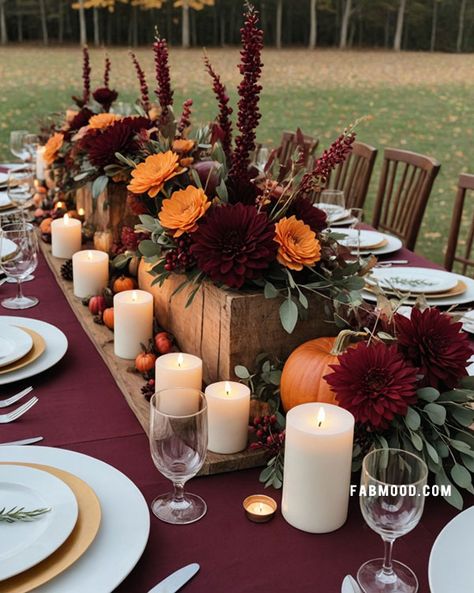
233	244
434	343
304	210
375	383
105	97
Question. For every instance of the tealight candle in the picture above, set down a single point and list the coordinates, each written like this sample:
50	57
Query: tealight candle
181	370
228	410
259	508
81	213
66	237
133	322
90	271
317	468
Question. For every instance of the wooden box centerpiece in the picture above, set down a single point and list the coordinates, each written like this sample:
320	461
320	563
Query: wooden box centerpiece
226	328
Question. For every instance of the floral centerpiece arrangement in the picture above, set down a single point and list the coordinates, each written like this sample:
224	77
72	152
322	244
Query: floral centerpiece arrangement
404	380
212	217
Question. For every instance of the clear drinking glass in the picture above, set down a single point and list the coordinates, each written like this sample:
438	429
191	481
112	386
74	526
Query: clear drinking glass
20	263
357	217
178	443
20	185
17	144
333	202
31	143
392	501
261	158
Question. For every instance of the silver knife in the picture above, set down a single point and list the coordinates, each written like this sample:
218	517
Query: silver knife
176	580
24	441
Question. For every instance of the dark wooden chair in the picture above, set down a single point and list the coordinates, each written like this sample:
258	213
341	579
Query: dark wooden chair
288	146
465	184
353	175
404	189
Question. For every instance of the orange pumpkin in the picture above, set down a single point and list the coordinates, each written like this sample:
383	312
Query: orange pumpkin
302	377
45	226
145	361
108	317
124	283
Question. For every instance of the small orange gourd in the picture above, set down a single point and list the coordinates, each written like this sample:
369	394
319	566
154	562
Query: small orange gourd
302	377
145	361
108	317
123	283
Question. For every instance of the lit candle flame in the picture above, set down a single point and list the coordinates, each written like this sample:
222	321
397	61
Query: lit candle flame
89	255
59	205
134	296
227	388
66	219
321	417
81	211
180	360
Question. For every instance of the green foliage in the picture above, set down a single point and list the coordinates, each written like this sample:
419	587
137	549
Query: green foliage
263	380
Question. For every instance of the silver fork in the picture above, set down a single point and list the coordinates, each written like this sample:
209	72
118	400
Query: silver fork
11	416
14	398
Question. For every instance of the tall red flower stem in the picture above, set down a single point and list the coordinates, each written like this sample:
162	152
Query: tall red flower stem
107	69
163	78
249	91
86	74
185	119
145	97
225	110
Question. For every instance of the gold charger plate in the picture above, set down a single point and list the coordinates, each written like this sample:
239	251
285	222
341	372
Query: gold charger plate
78	542
39	346
460	288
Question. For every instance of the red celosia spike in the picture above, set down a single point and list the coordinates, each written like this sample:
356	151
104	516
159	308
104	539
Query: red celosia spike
145	98
225	110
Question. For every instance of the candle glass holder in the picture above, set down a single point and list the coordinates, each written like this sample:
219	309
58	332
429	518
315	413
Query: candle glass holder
178	446
392	500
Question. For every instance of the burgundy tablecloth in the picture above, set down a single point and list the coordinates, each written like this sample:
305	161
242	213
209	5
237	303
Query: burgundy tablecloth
82	409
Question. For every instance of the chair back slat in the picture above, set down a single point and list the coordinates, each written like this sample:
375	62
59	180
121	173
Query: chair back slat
354	174
405	186
456	240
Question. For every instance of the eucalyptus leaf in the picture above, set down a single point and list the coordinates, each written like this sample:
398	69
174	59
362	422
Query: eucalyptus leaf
461	446
288	315
432	452
303	300
436	413
459	396
468	462
266	473
412	419
269	291
428	394
241	372
465	416
99	185
461	476
148	248
455	498
417	441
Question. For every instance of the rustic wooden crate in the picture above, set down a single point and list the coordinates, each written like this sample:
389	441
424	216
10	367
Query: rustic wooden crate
226	328
131	383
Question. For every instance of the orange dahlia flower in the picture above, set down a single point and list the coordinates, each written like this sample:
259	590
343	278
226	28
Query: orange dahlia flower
52	147
151	175
181	212
297	244
183	146
103	120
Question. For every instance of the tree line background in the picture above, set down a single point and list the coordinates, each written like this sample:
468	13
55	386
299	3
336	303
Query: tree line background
435	25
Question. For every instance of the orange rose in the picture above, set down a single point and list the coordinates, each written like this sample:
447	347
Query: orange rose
183	146
298	245
52	147
181	212
151	175
103	120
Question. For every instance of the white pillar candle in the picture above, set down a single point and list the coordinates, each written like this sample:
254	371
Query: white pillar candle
228	410
66	237
177	369
317	470
40	164
133	322
90	271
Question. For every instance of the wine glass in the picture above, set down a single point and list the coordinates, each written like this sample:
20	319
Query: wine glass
357	217
178	444
332	201
392	500
17	144
31	143
21	262
261	158
20	185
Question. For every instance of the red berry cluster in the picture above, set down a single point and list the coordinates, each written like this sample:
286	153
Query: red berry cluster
180	258
269	434
148	389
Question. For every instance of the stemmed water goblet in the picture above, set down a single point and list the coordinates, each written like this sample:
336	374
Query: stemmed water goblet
17	145
178	444
21	262
357	217
392	500
333	203
20	185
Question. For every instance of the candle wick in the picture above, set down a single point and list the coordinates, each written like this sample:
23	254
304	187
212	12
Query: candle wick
319	423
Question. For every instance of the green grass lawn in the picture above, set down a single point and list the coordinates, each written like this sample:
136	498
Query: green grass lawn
416	101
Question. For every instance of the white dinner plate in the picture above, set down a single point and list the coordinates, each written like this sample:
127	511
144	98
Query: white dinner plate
56	346
122	535
4	199
25	544
393	243
3	178
450	567
413	280
367	238
460	299
14	343
7	248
